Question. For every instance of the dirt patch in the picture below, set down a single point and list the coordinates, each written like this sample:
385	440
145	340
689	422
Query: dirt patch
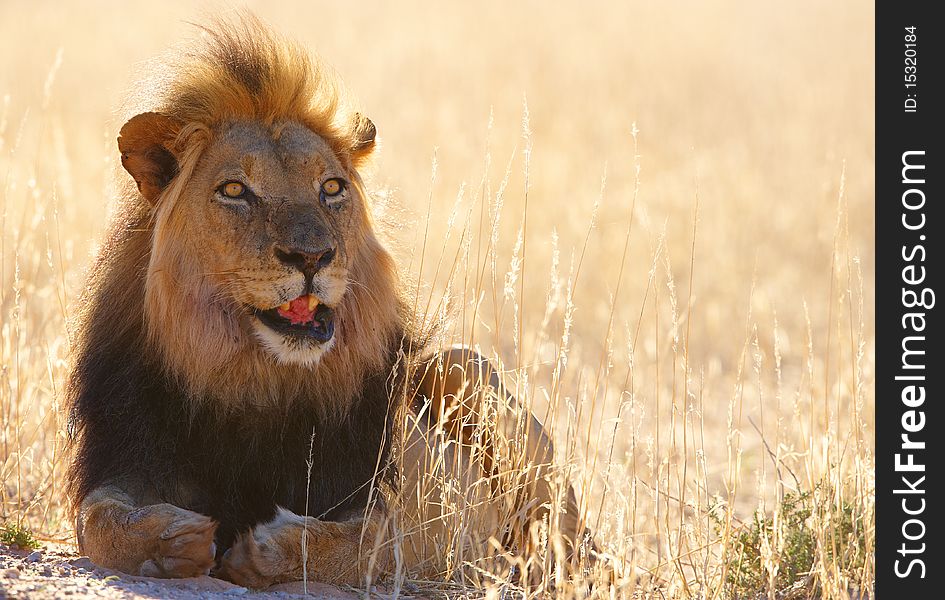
59	572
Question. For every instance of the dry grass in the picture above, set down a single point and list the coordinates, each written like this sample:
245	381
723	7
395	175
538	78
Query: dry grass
687	306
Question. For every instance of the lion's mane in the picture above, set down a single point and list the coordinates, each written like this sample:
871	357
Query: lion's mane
161	380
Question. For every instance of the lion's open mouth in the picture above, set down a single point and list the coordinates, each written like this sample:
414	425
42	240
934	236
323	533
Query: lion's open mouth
303	317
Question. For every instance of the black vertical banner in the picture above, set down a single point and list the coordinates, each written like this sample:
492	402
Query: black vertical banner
910	267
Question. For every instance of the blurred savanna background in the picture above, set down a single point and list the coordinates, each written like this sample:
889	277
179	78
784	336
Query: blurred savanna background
656	216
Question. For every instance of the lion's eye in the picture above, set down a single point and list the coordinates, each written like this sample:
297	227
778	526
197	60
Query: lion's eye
333	187
233	189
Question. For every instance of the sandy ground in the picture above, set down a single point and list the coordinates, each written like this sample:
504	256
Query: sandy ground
59	572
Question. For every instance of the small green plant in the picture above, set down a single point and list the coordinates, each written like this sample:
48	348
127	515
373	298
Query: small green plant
844	545
12	534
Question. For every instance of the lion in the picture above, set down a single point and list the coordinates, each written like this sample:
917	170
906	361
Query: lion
250	395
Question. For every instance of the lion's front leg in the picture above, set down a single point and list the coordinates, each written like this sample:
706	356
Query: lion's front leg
157	540
294	548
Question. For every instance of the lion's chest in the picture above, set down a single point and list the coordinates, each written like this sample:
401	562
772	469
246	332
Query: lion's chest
239	470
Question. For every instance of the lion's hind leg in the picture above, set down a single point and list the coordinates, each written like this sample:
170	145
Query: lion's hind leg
156	540
503	462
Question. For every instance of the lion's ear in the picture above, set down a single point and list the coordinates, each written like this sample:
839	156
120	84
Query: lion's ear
364	138
144	143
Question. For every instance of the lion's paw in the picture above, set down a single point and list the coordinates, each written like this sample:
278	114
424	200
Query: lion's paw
182	543
267	555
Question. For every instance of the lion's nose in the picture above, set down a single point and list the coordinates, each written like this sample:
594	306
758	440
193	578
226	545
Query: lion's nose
309	261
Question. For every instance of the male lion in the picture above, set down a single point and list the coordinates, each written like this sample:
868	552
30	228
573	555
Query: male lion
249	394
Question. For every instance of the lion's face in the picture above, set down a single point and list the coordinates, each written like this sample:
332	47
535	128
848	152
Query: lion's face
275	210
255	233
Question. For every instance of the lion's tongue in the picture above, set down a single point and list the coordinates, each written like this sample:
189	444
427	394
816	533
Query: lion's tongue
300	311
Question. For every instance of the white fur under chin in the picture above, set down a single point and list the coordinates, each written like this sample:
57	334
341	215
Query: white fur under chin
291	351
